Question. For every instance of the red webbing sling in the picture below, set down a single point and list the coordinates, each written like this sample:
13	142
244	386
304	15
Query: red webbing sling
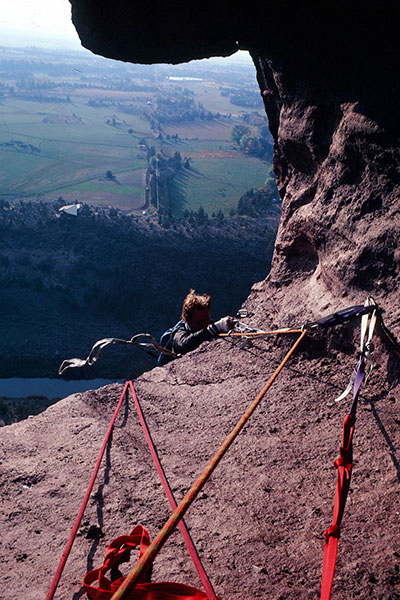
119	551
343	464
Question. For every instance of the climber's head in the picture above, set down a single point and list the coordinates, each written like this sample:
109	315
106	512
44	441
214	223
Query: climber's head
196	310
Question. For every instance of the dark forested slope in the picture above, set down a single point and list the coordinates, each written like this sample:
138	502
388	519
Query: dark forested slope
67	281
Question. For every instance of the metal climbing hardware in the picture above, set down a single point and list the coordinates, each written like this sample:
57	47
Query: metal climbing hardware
243	313
345	459
98	347
339	317
241	328
369	317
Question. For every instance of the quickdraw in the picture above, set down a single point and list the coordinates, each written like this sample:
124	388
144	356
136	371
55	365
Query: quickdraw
366	346
344	462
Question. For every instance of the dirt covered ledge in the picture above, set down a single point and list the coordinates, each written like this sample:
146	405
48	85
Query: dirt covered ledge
258	522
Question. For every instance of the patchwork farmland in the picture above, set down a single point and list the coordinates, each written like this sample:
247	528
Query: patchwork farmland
66	121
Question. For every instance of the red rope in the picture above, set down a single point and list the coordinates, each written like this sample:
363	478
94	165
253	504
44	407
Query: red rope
183	529
67	550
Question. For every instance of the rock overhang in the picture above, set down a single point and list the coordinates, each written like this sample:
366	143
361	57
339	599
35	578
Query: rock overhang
336	33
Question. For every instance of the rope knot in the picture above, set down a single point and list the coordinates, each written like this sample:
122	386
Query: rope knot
345	459
332	531
116	556
111	557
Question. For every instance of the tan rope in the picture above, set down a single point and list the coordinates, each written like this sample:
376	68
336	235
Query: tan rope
259	333
149	555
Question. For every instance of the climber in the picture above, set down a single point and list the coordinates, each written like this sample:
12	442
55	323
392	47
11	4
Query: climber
195	327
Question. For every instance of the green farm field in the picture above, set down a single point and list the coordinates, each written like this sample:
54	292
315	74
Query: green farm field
217	181
77	147
74	147
219	173
211	131
62	140
209	95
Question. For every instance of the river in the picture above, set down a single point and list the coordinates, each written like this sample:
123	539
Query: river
21	387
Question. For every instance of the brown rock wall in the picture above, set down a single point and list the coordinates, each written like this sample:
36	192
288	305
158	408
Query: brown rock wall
337	168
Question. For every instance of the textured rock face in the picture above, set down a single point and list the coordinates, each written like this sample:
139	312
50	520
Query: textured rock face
337	165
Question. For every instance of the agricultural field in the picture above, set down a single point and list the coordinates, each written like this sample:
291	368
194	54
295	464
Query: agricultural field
67	121
51	150
214	180
148	150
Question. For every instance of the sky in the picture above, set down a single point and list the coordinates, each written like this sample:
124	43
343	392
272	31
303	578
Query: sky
46	23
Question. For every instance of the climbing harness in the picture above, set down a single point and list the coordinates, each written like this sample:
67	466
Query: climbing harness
166	344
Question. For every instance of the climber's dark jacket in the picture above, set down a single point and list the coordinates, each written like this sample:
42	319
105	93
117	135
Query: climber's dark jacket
185	340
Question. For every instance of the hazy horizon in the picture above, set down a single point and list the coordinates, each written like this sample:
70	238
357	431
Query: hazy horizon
47	24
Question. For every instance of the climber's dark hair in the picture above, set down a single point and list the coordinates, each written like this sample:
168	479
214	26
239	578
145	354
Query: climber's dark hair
193	302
